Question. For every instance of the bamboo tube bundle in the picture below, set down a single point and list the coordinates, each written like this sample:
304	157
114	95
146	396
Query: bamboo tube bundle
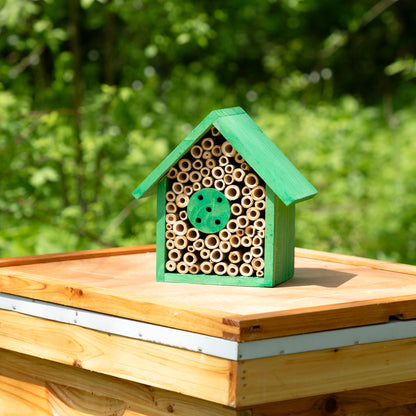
236	249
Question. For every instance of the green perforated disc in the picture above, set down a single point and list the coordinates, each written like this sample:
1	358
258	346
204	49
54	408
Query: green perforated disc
209	210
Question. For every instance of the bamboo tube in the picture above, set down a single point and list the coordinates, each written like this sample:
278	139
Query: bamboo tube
228	149
169	227
250	231
199	244
170	196
196	151
205	172
238	158
225	246
259	273
211	241
219	185
185	165
207	143
197	164
207	182
196	186
180	228
173	172
206	267
188	190
224	234
246	241
240	232
191	249
181	242
217	172
183	215
245	190
183	177
246	270
174	254
257	263
247	257
256	251
232	192
232	270
232	226
190	258
253	214
192	234
177	188
220	268
170	244
236	209
238	175
195	176
246	201
210	163
228	178
194	269
223	161
257	241
260	205
234	257
170	266
216	255
171	218
260	233
170	235
258	193
259	224
182	200
205	253
229	169
245	166
207	155
182	267
171	207
235	241
251	180
216	151
242	221
215	131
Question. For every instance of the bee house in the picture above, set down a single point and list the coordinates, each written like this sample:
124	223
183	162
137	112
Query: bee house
226	205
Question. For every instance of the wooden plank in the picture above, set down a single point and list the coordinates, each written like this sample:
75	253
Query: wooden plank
160	231
366	401
139	398
314	373
187	372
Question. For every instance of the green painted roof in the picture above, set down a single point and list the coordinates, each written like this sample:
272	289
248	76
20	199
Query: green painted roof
253	145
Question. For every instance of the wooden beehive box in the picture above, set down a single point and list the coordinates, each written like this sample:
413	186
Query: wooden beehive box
226	205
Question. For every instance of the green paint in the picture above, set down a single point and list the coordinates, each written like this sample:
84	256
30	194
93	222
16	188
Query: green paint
160	230
269	239
208	279
209	210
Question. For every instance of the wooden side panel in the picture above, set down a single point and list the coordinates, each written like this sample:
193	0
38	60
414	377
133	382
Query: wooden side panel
24	370
165	367
322	372
160	231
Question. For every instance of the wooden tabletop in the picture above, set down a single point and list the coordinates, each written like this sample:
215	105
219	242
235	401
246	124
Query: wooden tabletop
328	291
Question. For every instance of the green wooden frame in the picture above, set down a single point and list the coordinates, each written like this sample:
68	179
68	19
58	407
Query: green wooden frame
279	247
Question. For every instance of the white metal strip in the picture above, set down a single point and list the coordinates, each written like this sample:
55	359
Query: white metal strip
205	344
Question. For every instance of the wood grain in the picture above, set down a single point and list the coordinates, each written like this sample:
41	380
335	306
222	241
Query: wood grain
323	294
314	373
21	369
187	372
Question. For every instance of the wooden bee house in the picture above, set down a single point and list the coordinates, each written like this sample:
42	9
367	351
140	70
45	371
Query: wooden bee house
226	205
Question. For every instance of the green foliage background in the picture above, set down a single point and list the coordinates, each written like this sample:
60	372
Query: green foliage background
94	94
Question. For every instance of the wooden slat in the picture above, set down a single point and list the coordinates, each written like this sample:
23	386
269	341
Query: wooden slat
183	371
24	373
315	373
366	401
